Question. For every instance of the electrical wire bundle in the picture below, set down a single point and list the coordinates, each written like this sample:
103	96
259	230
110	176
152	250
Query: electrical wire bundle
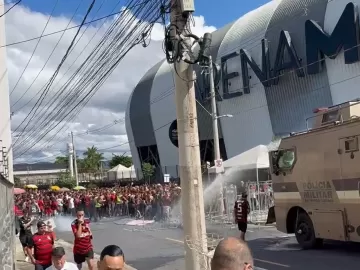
51	114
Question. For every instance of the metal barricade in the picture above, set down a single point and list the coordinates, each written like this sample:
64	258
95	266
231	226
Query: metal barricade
212	210
260	197
230	196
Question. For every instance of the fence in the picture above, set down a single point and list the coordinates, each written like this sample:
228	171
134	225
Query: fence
233	183
214	205
158	174
260	198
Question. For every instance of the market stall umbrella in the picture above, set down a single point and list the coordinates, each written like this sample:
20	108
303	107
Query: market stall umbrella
31	186
55	188
79	188
18	191
64	189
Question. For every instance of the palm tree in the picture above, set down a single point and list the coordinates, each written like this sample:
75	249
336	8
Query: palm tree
92	158
62	160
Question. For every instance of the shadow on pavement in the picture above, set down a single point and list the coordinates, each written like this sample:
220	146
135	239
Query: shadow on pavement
280	252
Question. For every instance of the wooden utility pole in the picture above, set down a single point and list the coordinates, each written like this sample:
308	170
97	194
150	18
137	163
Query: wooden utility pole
188	138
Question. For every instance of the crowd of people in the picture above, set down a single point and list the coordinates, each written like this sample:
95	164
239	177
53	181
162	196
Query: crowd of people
151	202
37	206
147	201
39	246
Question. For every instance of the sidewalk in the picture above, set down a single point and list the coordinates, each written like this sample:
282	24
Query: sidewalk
22	265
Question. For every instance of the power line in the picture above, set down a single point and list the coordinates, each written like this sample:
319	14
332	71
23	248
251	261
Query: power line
160	97
262	106
10	8
69	68
63	30
58	68
106	60
252	85
37	44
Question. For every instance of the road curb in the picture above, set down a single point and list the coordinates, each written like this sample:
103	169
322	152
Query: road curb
68	245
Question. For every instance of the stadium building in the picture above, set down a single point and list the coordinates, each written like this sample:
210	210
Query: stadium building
276	65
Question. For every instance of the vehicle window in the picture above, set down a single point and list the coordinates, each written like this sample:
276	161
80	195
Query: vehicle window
286	159
330	116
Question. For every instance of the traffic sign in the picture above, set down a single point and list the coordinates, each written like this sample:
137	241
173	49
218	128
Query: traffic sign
219	166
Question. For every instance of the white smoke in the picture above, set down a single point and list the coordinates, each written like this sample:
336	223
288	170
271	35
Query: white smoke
63	224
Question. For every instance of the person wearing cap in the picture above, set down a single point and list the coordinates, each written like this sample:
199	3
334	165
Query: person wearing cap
40	247
59	261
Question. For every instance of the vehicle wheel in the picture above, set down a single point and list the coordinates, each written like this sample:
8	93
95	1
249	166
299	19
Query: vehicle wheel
305	233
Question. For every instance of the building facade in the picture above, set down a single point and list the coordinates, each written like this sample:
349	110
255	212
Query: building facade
40	174
7	230
276	65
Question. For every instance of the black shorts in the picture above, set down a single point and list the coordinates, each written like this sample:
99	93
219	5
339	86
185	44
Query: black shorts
25	239
81	258
242	226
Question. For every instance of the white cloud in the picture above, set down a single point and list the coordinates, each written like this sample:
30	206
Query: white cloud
109	102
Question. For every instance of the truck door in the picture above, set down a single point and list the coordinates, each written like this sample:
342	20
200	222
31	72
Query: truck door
348	187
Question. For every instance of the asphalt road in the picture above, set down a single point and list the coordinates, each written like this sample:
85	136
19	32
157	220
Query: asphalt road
158	248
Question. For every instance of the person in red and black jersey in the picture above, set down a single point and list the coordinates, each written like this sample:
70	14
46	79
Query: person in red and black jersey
241	211
83	248
40	247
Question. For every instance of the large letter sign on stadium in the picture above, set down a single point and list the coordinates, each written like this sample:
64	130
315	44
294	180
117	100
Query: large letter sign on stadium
345	35
318	45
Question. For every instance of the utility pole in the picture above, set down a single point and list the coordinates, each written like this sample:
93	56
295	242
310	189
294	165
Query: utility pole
188	137
75	161
71	159
217	154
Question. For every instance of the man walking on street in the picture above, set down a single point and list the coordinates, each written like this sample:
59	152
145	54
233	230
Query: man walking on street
40	247
83	248
25	233
241	211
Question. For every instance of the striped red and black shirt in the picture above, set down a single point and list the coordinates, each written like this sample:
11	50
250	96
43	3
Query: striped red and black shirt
241	209
82	244
43	246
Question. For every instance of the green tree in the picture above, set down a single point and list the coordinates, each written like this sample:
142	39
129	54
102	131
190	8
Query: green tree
17	182
92	159
92	186
123	160
62	160
65	180
148	171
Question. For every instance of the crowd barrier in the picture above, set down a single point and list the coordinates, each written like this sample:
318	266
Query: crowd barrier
260	197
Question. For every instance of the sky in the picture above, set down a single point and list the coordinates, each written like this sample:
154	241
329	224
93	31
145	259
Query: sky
216	13
31	65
